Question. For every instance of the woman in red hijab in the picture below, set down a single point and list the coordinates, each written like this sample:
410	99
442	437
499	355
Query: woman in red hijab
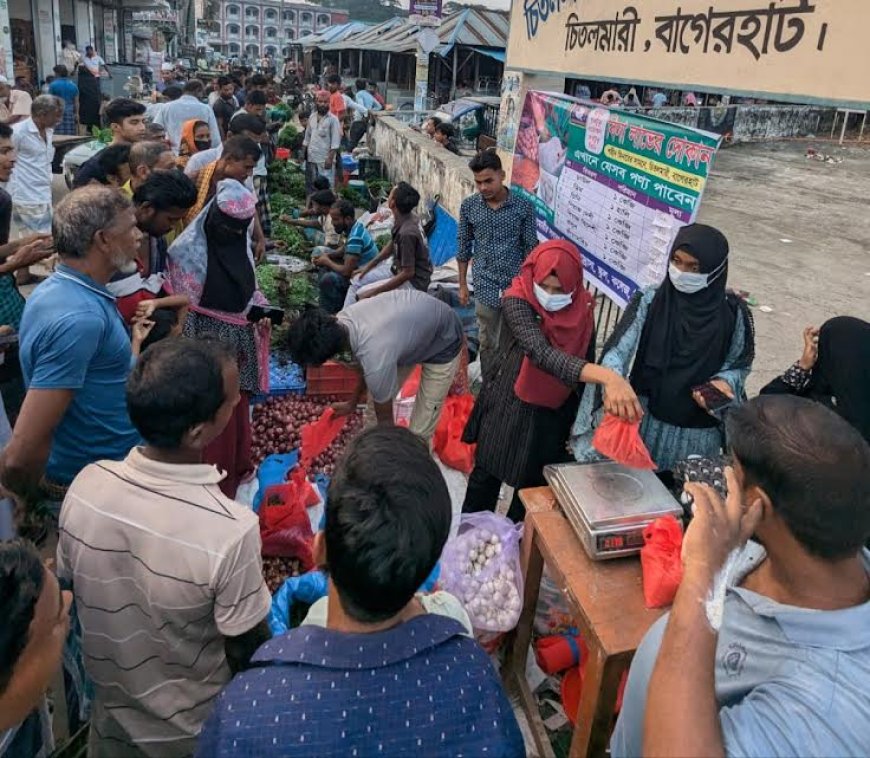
524	413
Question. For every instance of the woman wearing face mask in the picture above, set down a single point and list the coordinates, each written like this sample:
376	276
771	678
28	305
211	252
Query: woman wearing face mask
684	333
195	137
523	415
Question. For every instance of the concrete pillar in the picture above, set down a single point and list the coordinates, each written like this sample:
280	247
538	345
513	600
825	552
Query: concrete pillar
44	36
527	81
421	80
6	64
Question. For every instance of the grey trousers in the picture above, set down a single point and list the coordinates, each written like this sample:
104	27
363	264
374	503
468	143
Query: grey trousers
489	322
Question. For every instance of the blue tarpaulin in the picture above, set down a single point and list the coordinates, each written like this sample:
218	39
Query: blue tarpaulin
491	52
442	243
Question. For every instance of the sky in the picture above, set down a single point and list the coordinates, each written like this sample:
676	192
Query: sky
501	5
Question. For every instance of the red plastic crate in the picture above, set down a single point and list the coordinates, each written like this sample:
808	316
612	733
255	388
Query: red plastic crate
331	379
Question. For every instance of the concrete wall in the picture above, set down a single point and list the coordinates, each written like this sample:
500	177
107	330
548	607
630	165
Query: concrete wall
748	123
412	157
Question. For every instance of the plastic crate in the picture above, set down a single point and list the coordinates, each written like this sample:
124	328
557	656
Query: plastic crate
284	375
332	379
285	378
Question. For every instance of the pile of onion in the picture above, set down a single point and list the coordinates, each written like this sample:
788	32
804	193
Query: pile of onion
277	424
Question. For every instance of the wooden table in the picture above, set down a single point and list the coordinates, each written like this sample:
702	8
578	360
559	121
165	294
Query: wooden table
606	598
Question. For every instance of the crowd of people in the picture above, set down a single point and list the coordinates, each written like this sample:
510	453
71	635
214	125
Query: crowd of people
127	435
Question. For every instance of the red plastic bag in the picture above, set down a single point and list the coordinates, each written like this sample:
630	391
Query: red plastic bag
558	652
319	435
447	440
660	561
412	384
285	528
621	442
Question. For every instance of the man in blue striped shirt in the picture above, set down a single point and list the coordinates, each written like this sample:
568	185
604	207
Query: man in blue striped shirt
337	266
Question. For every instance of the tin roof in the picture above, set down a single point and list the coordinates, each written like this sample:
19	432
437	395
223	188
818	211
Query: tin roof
334	33
472	27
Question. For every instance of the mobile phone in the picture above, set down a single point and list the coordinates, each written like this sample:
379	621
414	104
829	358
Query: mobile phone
259	312
9	339
715	400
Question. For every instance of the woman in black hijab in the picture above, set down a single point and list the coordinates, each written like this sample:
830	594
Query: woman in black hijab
687	332
834	370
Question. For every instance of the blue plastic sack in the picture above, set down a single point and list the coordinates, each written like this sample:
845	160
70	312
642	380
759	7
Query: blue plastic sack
273	470
307	588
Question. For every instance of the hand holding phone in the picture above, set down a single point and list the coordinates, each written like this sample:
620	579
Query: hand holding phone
259	312
712	397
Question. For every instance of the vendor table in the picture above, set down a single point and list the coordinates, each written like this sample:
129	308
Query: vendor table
606	599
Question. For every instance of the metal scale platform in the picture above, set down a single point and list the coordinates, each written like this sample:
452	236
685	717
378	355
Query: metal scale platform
609	505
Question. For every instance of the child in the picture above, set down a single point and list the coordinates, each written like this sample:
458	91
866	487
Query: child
445	136
314	220
140	299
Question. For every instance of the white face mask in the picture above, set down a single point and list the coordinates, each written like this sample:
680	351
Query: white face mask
550	302
688	282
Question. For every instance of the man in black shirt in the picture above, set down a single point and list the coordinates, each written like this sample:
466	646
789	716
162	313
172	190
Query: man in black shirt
226	105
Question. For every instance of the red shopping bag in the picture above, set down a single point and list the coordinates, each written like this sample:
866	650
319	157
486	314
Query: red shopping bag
285	528
412	384
319	435
447	440
660	561
621	442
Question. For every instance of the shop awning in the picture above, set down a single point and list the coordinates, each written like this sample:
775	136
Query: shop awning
495	54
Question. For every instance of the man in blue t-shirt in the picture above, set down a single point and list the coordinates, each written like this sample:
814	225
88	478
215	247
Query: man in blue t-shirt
338	266
766	650
75	352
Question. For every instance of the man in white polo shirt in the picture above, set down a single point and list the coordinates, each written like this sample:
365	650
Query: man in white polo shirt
166	571
30	185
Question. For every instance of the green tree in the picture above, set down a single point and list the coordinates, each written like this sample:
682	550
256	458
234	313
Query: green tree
455	6
367	10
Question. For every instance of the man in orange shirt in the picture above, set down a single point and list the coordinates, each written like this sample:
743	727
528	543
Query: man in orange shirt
337	104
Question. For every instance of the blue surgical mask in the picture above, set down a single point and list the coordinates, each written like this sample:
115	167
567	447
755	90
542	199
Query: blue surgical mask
688	282
551	302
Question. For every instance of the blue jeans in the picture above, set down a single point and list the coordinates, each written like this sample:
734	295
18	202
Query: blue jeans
333	288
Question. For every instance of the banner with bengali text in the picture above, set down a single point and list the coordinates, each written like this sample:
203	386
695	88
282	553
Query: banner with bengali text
617	184
796	50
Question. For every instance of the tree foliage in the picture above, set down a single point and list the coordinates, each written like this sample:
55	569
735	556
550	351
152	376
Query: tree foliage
367	10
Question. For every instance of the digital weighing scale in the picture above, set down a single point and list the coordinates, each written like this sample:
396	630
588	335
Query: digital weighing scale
609	505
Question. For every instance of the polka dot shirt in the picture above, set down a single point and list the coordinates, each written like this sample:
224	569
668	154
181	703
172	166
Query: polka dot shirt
498	239
421	688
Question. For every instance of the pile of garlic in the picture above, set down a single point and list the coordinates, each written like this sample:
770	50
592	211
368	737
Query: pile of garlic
489	593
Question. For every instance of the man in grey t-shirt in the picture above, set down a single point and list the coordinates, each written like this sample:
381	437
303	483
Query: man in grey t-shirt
388	336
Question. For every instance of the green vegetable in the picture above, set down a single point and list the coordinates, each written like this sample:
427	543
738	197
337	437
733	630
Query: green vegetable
287	178
382	239
293	238
380	188
291	292
289	136
282	203
352	195
103	135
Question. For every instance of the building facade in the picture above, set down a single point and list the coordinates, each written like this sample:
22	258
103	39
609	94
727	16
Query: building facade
266	27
